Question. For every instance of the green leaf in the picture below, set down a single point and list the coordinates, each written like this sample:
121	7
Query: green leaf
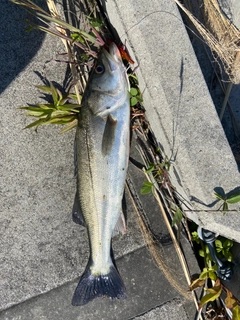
214	268
236	313
146	188
177	217
133	92
77	37
95	22
133	101
73	96
218	245
227	255
150	169
206	248
139	98
204	274
49	106
54	94
217	195
34	108
233	199
213	295
69	107
195	237
59	113
201	253
35	123
212	275
36	114
227	244
62	120
133	76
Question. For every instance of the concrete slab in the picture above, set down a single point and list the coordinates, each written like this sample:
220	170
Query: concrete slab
146	289
41	248
16	48
170	311
179	108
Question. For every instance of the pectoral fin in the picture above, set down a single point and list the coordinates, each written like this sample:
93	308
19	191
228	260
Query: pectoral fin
77	215
109	135
120	225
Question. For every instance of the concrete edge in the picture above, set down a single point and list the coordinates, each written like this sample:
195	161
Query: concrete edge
180	109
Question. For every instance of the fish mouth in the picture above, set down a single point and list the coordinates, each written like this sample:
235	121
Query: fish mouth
113	56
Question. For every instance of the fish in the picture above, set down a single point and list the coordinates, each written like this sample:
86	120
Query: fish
101	162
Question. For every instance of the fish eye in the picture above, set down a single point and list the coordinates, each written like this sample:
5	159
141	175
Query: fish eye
99	69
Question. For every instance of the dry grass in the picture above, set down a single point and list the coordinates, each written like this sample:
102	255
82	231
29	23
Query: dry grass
222	37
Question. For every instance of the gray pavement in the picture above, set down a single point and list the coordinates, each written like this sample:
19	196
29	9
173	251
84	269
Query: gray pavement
173	310
232	10
42	252
147	289
180	109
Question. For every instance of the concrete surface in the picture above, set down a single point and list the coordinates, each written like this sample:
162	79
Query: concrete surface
147	288
170	311
41	248
232	9
42	252
216	78
180	109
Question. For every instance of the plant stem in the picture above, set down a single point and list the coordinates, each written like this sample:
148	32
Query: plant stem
227	94
54	12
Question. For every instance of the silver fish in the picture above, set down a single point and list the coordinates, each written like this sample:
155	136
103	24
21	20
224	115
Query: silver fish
102	152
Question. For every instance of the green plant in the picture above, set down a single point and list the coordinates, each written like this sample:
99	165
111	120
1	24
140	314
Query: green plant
51	23
146	187
223	247
177	218
159	173
135	96
135	93
58	111
226	200
95	22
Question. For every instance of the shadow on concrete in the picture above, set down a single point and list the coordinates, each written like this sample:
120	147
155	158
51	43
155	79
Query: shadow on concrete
219	190
17	47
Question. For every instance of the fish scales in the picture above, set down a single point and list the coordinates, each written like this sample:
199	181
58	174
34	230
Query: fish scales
102	151
102	206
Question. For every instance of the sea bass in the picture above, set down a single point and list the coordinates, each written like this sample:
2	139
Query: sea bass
102	152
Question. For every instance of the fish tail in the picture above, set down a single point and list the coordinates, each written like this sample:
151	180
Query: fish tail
91	287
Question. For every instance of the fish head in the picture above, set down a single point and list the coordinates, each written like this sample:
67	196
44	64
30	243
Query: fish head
108	86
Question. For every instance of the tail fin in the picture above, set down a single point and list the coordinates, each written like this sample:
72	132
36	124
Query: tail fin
90	287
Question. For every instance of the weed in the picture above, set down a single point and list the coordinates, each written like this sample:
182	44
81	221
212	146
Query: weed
226	200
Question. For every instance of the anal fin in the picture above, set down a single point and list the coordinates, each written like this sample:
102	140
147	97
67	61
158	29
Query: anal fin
120	226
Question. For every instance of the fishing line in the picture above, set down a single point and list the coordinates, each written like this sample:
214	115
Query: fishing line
162	11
